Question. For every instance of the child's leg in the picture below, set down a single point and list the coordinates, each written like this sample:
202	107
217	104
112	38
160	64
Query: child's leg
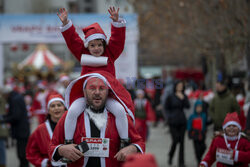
76	108
120	117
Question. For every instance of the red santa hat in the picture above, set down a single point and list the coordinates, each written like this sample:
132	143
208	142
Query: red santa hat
93	31
231	119
54	97
145	160
64	78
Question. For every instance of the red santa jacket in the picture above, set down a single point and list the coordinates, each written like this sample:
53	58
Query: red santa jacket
83	130
117	91
37	148
39	103
241	154
143	113
112	50
149	113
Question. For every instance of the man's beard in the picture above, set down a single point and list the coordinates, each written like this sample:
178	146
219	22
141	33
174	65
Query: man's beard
94	107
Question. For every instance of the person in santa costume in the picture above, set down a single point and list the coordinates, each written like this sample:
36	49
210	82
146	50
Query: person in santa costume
96	124
39	102
95	54
143	113
37	147
230	148
63	82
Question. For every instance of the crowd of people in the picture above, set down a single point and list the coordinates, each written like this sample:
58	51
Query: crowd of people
148	105
96	120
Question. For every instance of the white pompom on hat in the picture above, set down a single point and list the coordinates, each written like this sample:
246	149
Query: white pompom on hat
42	85
54	97
231	119
140	91
93	31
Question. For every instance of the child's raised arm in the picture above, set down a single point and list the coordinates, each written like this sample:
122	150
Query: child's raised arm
63	16
114	14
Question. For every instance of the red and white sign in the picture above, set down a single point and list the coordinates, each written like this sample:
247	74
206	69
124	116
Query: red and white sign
98	147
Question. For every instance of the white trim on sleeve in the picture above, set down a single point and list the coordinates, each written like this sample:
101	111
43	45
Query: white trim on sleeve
120	23
44	162
67	26
138	147
204	163
92	61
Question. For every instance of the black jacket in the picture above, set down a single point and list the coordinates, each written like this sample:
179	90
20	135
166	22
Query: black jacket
17	116
174	108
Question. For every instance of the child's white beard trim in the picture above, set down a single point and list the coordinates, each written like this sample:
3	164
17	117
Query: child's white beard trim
99	119
232	138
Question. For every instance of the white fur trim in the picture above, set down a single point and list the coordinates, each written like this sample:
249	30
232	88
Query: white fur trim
246	108
139	148
77	107
67	26
99	119
68	90
103	163
44	162
55	99
204	163
236	156
232	123
231	138
120	23
49	129
94	36
86	81
58	163
92	61
88	133
102	135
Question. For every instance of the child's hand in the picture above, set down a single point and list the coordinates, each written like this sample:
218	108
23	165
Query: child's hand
114	15
63	16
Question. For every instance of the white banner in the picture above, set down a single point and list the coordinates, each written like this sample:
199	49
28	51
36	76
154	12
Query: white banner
44	28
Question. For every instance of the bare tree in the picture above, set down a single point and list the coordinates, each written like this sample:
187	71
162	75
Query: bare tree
179	32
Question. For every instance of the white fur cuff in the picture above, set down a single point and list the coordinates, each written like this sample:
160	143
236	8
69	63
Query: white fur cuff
67	26
44	162
204	163
139	148
121	23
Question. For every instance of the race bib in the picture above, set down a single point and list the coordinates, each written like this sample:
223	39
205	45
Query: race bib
98	147
224	156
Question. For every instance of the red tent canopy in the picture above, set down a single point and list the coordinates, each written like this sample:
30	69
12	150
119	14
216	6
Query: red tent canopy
42	56
196	75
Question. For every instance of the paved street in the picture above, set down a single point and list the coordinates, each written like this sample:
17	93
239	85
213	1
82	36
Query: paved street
158	143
